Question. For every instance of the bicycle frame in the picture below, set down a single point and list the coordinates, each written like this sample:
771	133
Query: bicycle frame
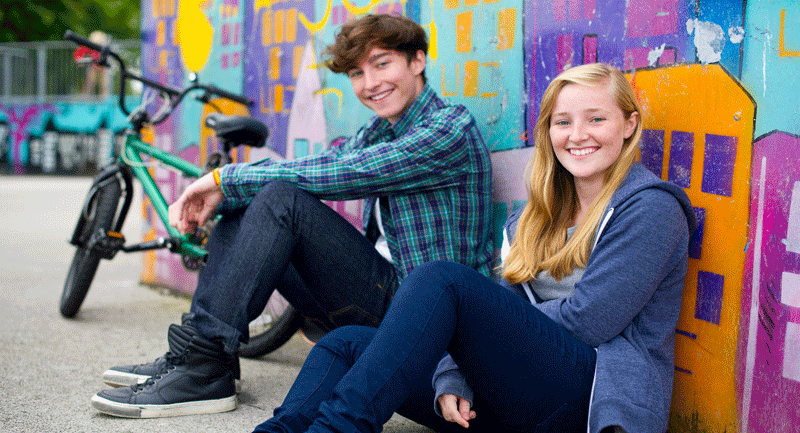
134	147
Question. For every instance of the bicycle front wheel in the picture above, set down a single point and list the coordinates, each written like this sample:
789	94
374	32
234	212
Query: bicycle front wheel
273	328
100	214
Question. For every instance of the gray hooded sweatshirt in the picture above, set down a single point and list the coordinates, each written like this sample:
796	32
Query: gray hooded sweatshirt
626	304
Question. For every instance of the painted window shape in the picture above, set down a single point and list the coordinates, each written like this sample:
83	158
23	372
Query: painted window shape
680	158
708	305
652	146
720	158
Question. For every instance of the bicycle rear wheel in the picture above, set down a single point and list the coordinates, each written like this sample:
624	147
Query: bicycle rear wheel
273	328
100	214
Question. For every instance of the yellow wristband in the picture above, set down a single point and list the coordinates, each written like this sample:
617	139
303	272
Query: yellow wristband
216	176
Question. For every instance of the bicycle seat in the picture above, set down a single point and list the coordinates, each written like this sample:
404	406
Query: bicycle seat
238	130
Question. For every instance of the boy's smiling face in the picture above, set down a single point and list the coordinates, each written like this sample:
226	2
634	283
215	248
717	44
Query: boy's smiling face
387	83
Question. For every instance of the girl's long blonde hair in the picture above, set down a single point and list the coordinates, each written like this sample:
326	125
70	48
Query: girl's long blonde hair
540	242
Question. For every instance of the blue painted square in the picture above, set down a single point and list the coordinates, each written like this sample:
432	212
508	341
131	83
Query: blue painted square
720	156
652	145
696	240
681	151
708	306
301	147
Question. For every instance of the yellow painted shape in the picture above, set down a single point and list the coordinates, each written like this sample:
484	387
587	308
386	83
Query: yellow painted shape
266	27
355	10
464	32
451	4
291	25
274	63
195	34
471	78
506	24
470	2
226	106
317	26
332	91
706	100
782	50
161	33
278	101
297	59
280	25
490	1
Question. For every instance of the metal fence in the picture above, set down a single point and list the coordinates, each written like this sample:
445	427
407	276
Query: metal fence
47	72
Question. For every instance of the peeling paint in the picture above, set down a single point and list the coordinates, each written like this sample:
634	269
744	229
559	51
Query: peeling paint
709	40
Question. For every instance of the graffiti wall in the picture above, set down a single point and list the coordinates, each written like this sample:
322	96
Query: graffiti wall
717	80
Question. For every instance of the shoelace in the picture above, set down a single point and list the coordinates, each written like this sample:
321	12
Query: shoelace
171	362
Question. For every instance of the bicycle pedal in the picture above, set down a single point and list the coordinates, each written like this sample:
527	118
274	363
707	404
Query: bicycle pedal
106	243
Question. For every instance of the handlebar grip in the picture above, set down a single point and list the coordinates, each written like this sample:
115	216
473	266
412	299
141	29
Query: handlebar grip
80	40
225	94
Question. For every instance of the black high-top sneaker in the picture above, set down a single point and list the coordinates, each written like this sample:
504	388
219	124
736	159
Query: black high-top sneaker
127	375
196	376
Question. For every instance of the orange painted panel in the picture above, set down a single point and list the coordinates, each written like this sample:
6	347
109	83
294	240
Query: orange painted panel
709	106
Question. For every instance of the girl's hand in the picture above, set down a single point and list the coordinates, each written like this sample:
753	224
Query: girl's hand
456	409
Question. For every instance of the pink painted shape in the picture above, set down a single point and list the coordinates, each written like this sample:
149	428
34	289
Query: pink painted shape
651	18
589	9
589	49
17	126
773	400
668	57
574	10
565	55
635	58
559	10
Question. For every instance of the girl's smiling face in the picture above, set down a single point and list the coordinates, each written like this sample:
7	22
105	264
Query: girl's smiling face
587	130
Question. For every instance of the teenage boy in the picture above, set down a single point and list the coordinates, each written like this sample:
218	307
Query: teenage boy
420	165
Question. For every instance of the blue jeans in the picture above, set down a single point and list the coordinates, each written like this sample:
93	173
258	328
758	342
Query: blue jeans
287	239
527	372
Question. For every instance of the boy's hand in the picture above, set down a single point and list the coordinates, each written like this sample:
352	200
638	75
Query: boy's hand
196	205
456	409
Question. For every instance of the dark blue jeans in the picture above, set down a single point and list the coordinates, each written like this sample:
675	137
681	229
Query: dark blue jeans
527	372
287	239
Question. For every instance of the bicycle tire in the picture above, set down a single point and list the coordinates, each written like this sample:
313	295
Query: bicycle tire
272	329
101	213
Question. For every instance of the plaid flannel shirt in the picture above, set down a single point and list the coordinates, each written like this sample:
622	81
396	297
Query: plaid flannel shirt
431	165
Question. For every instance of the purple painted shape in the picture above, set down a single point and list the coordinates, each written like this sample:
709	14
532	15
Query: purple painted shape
680	158
651	17
720	157
589	49
565	53
652	145
708	305
258	84
545	20
696	241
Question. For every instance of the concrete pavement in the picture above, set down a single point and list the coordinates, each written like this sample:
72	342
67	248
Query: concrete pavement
51	366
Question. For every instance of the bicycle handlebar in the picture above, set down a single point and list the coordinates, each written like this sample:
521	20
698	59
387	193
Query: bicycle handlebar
175	95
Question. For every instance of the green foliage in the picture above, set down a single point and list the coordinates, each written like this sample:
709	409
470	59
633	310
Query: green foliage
41	20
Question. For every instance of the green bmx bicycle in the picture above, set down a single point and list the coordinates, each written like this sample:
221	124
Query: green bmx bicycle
97	234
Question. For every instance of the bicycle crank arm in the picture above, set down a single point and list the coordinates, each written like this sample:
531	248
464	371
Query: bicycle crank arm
151	245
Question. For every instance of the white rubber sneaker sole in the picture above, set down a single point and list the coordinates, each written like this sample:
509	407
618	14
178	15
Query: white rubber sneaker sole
118	379
127	410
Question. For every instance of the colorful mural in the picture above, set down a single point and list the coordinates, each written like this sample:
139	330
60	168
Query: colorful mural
711	74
